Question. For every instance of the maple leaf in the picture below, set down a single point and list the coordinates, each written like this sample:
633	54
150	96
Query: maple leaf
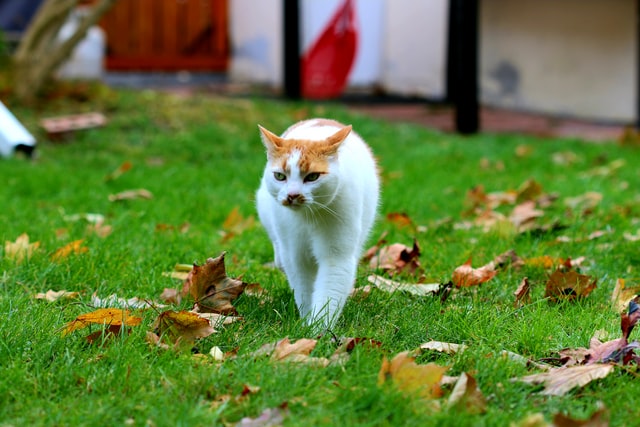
74	247
21	249
568	285
397	258
529	190
102	316
235	224
524	215
210	287
181	328
140	193
559	381
420	289
52	296
467	395
409	377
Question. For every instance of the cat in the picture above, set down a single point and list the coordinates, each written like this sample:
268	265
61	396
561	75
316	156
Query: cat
318	201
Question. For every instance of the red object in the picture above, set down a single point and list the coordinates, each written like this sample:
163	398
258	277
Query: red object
326	65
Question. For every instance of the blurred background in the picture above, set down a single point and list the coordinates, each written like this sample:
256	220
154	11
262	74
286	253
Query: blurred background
565	58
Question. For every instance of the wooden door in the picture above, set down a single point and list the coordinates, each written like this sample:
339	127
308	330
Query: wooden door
167	35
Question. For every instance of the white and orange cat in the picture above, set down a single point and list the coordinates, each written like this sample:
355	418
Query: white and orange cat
318	200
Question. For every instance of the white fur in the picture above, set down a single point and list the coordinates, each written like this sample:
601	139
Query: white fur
318	243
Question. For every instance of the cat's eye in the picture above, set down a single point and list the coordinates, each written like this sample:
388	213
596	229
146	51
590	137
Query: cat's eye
279	176
313	176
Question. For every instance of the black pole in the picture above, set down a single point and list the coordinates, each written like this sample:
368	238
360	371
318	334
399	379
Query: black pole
291	51
462	64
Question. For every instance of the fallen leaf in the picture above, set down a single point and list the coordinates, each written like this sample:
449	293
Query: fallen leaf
182	228
216	354
74	247
524	215
140	193
422	381
397	258
182	328
420	289
171	296
400	220
622	294
180	272
91	218
235	224
122	169
523	293
600	418
443	347
568	285
529	190
631	237
466	276
21	249
585	203
53	296
618	351
559	381
467	396
102	316
210	287
532	420
99	229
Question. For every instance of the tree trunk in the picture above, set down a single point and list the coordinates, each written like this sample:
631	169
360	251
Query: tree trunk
40	53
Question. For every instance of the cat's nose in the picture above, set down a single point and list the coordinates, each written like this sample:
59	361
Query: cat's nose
294	197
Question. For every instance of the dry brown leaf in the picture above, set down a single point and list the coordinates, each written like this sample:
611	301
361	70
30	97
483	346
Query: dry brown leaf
397	258
559	381
140	193
524	215
568	285
443	347
600	418
523	293
102	316
420	289
422	381
529	190
235	224
623	293
467	396
532	420
53	296
400	220
210	287
104	335
74	247
21	249
182	328
466	276
171	296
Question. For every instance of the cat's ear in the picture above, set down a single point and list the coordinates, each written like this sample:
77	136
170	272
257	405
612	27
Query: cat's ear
332	143
270	140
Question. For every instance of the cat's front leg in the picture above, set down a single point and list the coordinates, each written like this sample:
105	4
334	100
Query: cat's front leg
333	285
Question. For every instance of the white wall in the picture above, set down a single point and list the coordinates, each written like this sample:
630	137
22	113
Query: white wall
415	47
570	57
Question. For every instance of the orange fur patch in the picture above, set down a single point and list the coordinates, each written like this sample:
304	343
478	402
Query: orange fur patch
313	155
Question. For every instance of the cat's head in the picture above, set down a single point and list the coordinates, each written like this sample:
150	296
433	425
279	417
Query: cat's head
299	172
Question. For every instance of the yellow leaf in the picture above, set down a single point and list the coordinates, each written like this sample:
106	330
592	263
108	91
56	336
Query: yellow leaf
409	377
74	247
103	316
20	249
182	328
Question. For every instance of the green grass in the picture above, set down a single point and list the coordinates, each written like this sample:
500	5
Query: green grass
201	157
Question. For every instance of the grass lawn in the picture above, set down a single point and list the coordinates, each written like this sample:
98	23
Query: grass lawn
201	158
